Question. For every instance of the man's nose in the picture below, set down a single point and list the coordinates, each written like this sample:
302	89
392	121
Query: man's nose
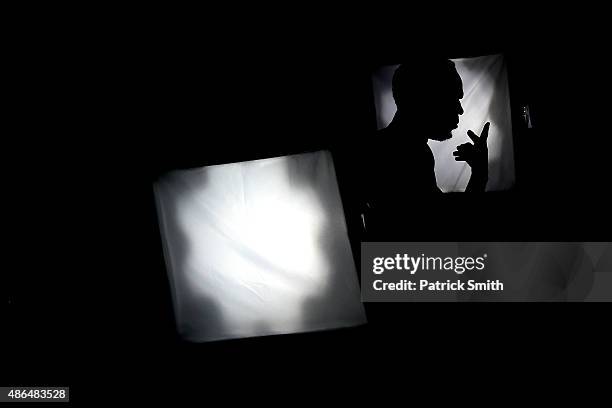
459	108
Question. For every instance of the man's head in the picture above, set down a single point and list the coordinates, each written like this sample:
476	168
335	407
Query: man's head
428	93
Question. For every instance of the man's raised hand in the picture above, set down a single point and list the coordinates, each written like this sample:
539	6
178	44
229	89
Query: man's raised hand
476	155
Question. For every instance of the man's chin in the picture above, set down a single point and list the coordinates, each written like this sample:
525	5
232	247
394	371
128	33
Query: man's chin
442	137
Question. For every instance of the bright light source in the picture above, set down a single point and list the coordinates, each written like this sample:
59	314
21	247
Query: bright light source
258	248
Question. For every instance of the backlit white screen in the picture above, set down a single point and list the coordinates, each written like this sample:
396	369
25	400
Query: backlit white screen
258	248
486	99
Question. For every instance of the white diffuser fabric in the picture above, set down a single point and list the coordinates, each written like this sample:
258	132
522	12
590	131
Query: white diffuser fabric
486	99
258	248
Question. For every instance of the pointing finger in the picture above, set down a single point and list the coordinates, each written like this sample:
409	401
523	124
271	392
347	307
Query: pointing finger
485	132
472	136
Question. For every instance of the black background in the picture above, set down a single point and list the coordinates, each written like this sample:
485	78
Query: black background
102	107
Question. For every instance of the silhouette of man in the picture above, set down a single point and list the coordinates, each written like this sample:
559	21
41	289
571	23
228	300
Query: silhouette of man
428	98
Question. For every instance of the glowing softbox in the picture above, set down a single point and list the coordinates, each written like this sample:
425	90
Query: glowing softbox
258	248
486	99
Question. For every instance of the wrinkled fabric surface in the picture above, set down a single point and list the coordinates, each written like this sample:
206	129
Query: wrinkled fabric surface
258	248
485	99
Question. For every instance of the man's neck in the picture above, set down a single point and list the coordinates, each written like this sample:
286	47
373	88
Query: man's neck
402	125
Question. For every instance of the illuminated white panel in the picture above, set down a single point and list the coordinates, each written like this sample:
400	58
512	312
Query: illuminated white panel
486	99
258	248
